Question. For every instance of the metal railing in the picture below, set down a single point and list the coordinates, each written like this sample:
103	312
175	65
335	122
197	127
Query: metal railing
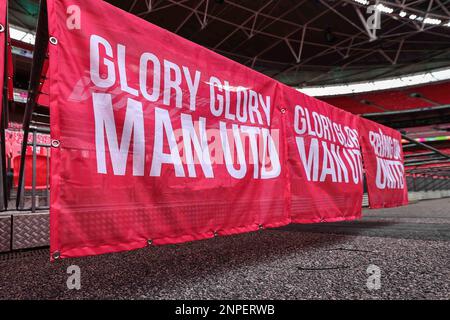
22	193
40	48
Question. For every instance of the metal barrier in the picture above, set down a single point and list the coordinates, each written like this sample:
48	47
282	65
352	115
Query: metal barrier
41	190
423	183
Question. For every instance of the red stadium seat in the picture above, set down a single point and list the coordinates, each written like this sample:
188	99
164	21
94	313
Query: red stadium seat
351	105
41	171
439	93
393	100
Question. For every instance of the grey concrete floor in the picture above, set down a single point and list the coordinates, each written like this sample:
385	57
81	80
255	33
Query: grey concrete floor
409	245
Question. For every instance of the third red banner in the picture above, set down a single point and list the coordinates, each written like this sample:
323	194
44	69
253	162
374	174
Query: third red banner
383	163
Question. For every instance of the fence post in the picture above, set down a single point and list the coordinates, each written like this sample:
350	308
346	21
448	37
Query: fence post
33	178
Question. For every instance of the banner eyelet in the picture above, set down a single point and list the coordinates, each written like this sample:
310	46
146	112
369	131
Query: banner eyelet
283	110
55	143
2	28
149	242
53	40
56	255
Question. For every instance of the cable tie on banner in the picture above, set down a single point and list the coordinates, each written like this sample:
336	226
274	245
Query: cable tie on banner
56	255
55	143
2	28
53	40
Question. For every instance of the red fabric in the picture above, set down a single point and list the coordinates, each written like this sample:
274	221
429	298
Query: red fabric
43	90
383	163
127	99
2	49
10	71
324	160
94	212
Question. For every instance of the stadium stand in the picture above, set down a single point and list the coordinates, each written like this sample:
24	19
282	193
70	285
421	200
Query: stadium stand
394	100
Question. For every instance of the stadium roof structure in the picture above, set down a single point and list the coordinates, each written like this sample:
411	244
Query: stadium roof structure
302	42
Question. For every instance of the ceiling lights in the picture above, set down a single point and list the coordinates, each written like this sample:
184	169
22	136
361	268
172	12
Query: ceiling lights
392	83
403	14
432	21
363	2
381	7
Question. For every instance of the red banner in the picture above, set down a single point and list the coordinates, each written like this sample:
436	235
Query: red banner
324	160
3	58
160	140
383	163
10	68
5	42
